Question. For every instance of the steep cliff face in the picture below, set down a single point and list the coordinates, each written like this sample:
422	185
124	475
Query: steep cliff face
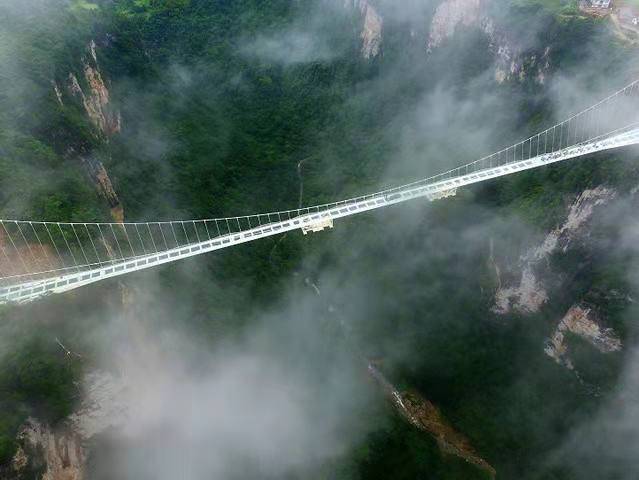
538	281
512	62
452	14
60	453
95	100
371	29
57	454
530	293
102	182
584	322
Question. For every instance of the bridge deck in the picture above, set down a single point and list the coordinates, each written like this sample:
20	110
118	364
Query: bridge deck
292	220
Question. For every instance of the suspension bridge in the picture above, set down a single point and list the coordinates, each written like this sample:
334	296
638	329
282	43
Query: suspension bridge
38	258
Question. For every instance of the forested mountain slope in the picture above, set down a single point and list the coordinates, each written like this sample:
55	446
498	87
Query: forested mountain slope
502	317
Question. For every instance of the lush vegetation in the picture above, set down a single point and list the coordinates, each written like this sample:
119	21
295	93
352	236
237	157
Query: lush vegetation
215	125
36	379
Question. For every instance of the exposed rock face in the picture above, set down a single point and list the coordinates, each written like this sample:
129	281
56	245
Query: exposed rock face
372	28
20	461
60	453
451	14
96	99
511	61
58	92
529	295
423	415
581	320
579	214
96	102
102	181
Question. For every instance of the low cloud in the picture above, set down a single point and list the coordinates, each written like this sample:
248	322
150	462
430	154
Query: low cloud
313	36
281	398
290	48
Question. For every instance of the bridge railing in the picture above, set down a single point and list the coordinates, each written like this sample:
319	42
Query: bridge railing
31	251
608	117
615	114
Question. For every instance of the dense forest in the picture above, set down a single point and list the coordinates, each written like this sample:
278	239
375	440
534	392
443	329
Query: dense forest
244	106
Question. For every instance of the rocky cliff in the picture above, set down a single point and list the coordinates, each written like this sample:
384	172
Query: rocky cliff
48	454
453	14
584	322
539	283
425	416
60	453
512	60
372	27
94	98
530	293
